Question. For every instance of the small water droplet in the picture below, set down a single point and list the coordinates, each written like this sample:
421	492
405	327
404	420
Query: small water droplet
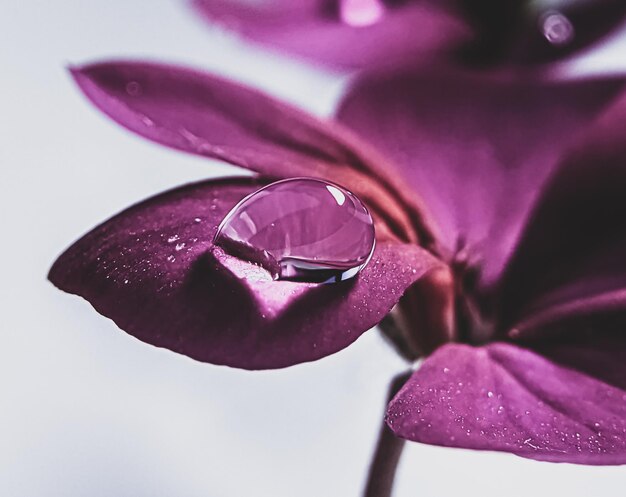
446	370
171	258
300	229
179	246
556	28
173	238
133	88
361	13
490	394
197	220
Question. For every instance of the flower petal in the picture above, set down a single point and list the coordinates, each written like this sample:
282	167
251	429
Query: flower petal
501	397
569	269
154	270
477	149
210	116
313	30
207	115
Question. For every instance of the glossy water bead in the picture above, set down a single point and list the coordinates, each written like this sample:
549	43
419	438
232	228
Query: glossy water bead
300	229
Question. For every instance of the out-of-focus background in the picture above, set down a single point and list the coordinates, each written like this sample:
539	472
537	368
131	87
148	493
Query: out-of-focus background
87	410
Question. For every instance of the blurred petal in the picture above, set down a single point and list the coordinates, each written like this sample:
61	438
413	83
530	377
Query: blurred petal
476	149
501	397
315	30
526	31
569	269
154	271
210	116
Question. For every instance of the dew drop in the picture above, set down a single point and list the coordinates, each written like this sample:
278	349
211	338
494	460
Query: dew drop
300	229
361	13
133	88
556	28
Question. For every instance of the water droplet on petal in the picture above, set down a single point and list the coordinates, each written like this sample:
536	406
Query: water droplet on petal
361	13
556	28
300	229
133	88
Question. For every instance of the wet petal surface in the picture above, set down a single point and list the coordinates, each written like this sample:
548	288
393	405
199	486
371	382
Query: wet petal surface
502	397
154	270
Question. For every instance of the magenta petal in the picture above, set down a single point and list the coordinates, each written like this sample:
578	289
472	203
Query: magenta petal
569	268
477	150
501	397
154	271
314	31
206	115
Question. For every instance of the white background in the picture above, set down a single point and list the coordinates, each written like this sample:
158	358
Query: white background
85	409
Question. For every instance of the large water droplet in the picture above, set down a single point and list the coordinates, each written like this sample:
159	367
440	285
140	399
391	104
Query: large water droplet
300	229
361	13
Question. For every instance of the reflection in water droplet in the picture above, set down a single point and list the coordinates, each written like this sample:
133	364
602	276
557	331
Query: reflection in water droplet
556	28
300	229
361	13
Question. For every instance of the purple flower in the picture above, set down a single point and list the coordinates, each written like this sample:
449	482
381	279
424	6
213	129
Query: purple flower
364	33
500	215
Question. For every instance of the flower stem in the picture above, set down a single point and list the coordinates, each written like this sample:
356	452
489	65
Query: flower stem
387	453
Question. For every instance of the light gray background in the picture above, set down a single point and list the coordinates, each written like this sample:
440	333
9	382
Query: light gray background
87	410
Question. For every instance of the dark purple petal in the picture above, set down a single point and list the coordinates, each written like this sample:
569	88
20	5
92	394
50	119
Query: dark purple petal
314	30
501	397
154	271
206	115
569	268
476	149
